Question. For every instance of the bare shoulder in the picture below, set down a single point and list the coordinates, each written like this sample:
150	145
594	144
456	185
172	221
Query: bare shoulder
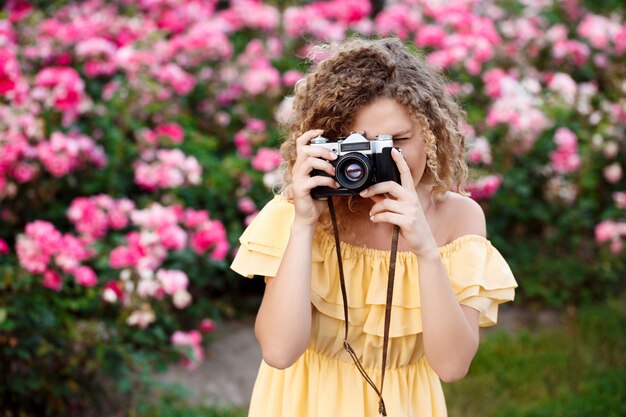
462	215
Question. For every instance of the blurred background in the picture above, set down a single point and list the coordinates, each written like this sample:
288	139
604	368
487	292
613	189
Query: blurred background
138	138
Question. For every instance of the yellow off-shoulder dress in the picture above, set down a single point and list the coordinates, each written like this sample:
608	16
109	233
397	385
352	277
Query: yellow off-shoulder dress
324	382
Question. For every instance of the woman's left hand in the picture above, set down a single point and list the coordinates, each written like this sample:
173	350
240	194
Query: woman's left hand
399	204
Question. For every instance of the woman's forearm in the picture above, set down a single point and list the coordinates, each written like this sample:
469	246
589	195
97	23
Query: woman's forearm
283	323
450	340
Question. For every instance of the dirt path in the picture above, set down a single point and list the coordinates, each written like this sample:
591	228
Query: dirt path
232	360
227	376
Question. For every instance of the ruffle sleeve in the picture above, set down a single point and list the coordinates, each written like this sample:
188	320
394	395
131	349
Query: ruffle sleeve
265	239
480	276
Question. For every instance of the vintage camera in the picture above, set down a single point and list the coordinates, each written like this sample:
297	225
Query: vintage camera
360	164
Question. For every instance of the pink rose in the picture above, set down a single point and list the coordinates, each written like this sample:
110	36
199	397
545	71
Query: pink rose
171	130
620	199
246	205
207	326
485	187
52	280
605	231
172	237
613	173
85	276
4	247
172	280
266	160
291	77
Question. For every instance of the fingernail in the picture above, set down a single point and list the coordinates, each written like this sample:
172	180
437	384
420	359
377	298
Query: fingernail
363	193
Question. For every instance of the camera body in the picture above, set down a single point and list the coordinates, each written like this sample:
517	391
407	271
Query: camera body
360	163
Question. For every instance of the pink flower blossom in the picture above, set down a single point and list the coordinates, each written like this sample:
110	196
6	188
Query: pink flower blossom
172	280
516	107
260	77
25	172
18	9
173	131
255	125
180	338
613	231
191	340
430	35
166	168
484	187
202	42
256	15
123	257
194	218
36	247
577	52
565	158
4	247
172	237
63	154
220	251
346	11
620	199
61	88
211	234
266	160
93	216
398	19
98	55
9	71
207	326
175	77
242	142
606	230
480	151
613	172
246	205
71	253
291	77
85	276
564	86
52	280
598	30
620	41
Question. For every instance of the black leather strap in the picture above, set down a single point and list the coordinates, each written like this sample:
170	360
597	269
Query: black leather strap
392	269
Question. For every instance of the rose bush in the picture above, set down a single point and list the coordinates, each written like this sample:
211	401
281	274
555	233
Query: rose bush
138	138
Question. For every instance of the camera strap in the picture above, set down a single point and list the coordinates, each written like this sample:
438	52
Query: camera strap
392	269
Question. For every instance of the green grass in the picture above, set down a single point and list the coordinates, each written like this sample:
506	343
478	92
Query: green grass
177	407
577	370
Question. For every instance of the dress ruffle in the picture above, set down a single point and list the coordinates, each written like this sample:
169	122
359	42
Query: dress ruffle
265	239
479	275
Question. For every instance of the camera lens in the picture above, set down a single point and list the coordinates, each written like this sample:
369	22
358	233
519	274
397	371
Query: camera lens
353	170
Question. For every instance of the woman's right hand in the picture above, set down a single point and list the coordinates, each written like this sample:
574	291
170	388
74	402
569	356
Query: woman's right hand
308	209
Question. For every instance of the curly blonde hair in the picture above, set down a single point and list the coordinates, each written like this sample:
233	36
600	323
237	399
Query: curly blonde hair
356	73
